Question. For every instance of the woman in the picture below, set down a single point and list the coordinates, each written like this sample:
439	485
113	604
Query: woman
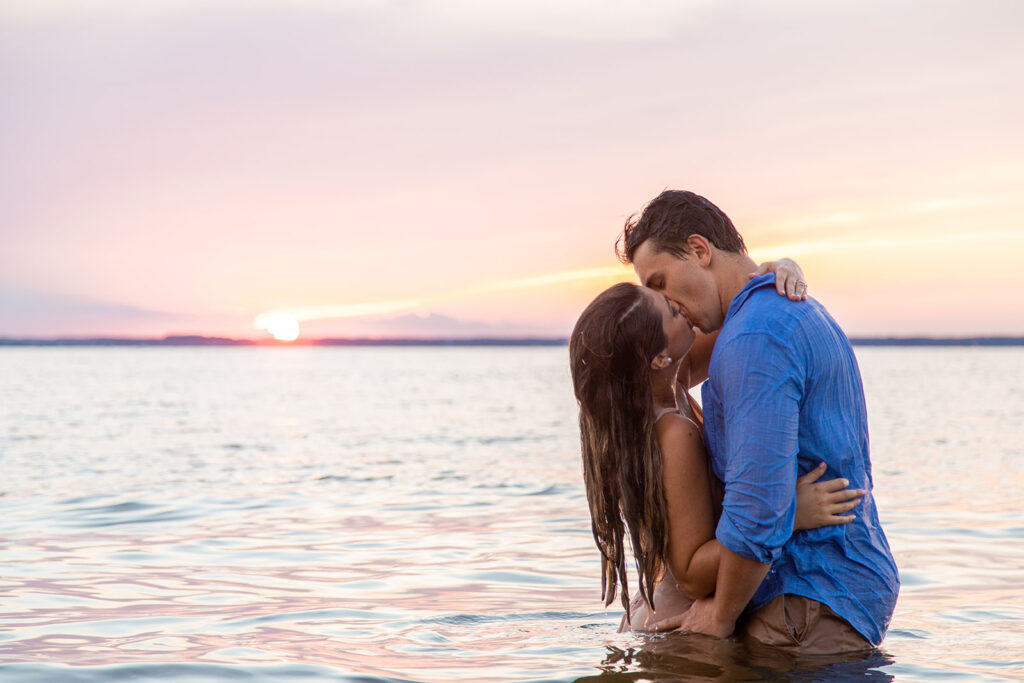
633	357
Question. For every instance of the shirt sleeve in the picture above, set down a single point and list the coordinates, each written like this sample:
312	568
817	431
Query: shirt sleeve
760	381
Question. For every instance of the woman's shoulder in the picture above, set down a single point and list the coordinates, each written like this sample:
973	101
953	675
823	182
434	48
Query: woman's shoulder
683	457
679	436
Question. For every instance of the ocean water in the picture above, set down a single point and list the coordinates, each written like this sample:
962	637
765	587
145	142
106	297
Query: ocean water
417	514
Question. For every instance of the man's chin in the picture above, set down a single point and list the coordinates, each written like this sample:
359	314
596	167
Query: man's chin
708	326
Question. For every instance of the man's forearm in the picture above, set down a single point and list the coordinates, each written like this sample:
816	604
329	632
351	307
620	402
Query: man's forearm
738	579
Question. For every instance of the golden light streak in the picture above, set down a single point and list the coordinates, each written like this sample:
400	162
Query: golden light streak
284	325
950	204
609	274
828	220
328	312
801	247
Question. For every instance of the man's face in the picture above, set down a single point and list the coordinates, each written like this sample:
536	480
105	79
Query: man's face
683	280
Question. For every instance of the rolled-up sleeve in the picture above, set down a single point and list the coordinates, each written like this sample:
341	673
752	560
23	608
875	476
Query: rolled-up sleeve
759	380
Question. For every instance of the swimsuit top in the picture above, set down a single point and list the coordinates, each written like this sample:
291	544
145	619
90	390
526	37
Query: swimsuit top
694	406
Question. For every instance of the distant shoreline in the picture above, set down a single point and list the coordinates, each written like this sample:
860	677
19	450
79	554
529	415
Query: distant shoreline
937	341
226	341
196	340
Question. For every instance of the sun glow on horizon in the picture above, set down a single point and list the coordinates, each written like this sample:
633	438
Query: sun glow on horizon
281	326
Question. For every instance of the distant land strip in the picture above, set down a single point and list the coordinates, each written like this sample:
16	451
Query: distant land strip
937	341
197	340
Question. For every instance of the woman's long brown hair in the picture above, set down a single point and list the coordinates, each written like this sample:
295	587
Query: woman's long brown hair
610	354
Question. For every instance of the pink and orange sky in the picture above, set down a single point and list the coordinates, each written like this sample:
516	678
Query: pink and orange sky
463	168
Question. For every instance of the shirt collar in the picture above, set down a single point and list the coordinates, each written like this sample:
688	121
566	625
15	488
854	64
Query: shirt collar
757	283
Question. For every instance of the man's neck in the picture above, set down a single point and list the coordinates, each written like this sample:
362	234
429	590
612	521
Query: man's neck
732	275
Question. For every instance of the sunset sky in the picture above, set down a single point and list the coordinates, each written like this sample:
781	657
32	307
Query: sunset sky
436	168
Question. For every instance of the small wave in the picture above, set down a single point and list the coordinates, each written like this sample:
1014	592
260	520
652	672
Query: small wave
319	615
127	513
359	480
16	673
466	619
78	500
503	485
506	576
262	447
522	438
552	490
117	508
917	634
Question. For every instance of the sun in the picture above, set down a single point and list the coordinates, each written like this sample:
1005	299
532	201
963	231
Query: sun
281	326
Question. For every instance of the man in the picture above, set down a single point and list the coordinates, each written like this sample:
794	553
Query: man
783	394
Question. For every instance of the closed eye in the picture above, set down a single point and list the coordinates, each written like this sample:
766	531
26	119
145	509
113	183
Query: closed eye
655	282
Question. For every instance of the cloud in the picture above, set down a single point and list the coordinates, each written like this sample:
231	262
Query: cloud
305	313
946	204
376	308
33	313
298	151
882	241
426	326
555	278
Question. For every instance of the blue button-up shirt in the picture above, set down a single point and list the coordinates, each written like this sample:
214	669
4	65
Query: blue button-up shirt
784	393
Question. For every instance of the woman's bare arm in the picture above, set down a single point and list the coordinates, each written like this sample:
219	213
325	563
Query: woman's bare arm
822	503
789	278
692	549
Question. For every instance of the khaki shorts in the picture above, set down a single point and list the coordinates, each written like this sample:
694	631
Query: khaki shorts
801	625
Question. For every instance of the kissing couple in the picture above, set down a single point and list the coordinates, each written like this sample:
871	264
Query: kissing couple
753	517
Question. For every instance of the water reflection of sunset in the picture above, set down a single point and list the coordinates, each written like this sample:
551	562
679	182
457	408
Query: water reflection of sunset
419	514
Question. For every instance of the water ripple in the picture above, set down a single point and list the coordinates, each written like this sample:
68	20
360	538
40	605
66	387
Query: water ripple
353	515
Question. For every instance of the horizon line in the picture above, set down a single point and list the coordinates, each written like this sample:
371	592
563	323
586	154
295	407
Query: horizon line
527	340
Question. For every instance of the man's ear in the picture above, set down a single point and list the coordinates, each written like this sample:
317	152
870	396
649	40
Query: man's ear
661	361
700	249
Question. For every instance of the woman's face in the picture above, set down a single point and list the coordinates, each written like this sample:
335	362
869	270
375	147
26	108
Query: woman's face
678	330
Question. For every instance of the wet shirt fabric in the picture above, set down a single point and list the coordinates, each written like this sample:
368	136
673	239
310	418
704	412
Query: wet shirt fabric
784	393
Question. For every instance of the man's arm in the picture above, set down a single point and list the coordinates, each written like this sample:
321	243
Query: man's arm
738	579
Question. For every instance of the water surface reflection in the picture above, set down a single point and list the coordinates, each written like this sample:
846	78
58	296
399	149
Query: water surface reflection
684	657
418	514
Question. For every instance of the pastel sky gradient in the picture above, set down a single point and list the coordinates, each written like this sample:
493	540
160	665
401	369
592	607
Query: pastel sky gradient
462	168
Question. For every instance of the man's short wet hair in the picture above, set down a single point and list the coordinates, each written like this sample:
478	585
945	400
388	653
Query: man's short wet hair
669	220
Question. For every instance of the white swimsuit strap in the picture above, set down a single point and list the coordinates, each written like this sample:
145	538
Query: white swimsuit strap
665	411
